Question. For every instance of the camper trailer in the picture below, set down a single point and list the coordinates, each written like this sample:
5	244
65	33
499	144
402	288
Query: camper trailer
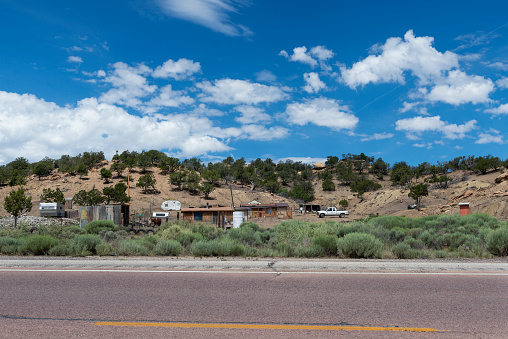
51	209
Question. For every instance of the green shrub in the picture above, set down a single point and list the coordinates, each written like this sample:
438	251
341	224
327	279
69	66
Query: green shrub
105	248
85	244
359	245
497	241
168	247
149	242
170	233
109	236
207	231
187	237
404	251
95	226
70	232
312	251
60	250
40	244
217	247
11	246
202	248
131	247
247	236
328	243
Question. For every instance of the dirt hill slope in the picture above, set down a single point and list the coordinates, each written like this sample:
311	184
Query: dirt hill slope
481	191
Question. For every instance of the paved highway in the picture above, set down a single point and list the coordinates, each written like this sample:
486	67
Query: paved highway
91	301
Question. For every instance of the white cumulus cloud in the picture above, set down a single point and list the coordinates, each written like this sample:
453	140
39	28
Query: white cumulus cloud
251	115
129	85
321	112
502	109
413	54
502	83
75	59
238	92
33	128
416	126
459	88
378	136
316	55
178	70
489	138
313	83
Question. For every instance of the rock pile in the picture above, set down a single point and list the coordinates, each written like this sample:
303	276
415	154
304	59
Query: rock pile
36	221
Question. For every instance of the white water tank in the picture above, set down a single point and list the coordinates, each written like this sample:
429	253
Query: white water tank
237	219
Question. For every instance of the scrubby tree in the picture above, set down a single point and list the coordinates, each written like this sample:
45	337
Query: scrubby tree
344	203
82	170
379	168
145	181
42	168
362	185
3	175
192	181
345	172
49	195
88	198
168	165
401	173
118	167
303	191
417	192
116	194
178	178
206	188
16	203
106	174
442	180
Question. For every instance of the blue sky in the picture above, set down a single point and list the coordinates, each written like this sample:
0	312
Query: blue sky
400	80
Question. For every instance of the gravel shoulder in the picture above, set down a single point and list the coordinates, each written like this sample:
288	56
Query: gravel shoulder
276	265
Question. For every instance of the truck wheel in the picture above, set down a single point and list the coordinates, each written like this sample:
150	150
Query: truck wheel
322	215
342	215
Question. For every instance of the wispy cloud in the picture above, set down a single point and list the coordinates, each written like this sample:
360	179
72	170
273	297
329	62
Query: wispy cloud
212	14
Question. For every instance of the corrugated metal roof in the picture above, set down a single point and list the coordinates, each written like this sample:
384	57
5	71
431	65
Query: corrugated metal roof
282	204
204	209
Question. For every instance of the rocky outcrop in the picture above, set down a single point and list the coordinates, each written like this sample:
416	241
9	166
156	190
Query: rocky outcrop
319	166
501	178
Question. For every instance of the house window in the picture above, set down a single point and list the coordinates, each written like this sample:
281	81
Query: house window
268	211
198	215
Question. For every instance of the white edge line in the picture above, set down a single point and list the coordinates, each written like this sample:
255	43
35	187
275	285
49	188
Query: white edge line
247	272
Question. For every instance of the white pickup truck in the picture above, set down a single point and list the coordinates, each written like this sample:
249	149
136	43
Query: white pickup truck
331	211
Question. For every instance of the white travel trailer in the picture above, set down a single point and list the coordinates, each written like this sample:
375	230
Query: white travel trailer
51	209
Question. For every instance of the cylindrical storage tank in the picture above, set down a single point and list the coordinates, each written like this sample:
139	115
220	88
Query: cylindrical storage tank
237	219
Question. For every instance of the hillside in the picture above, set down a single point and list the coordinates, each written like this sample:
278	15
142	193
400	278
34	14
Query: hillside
481	191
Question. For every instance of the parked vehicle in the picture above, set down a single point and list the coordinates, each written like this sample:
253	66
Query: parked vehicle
332	211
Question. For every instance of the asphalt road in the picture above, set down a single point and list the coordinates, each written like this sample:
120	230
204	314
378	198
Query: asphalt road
145	302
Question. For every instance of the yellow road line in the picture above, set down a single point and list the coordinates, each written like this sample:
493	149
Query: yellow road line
267	327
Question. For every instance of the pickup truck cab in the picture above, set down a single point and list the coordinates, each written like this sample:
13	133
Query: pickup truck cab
332	211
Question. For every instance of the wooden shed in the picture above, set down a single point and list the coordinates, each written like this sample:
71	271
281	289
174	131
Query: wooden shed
219	216
275	210
118	213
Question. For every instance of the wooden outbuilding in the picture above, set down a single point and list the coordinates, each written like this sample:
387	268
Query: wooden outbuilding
275	210
219	216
